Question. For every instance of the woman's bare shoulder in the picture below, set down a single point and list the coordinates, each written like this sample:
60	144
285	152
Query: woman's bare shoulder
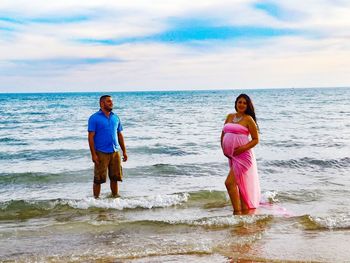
248	117
250	120
229	117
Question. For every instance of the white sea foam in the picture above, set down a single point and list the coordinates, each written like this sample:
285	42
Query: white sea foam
227	221
269	196
123	203
222	221
341	221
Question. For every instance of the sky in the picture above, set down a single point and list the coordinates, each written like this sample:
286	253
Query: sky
134	45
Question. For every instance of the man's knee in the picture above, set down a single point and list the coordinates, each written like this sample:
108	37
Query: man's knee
99	181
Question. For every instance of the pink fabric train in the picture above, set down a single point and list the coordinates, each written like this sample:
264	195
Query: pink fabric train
243	165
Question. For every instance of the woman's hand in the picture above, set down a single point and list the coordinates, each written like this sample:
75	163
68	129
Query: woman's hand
239	150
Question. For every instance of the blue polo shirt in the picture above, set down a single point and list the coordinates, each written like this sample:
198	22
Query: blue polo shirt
106	138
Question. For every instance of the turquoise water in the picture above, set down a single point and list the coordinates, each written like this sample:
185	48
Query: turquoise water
173	204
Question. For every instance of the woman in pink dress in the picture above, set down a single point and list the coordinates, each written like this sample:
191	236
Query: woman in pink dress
242	182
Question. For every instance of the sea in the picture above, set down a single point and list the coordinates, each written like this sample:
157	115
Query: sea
174	206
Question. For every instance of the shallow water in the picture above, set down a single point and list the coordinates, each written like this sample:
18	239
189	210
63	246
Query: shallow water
173	205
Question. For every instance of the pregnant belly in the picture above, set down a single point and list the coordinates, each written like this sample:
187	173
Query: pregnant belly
232	141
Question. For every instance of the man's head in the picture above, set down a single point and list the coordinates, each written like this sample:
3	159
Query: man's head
106	103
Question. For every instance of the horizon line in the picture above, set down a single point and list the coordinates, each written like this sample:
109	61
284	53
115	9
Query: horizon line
170	90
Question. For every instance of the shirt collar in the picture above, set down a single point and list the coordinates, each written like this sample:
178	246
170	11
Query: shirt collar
101	112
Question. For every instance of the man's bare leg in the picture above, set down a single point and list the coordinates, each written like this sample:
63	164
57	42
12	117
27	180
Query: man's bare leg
96	189
114	189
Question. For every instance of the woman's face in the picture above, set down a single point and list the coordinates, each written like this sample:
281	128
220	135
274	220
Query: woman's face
241	105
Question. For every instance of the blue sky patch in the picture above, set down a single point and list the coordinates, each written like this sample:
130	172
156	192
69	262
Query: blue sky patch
45	20
8	29
199	33
12	20
279	12
60	20
270	8
219	33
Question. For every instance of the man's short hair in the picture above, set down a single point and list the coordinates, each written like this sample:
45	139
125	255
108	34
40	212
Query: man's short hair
104	97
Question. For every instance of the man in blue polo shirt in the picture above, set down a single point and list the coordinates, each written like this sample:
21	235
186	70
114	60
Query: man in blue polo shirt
105	140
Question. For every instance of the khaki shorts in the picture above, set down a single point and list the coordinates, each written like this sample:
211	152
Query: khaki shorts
110	162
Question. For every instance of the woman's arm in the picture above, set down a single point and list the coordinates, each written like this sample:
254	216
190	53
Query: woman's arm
253	130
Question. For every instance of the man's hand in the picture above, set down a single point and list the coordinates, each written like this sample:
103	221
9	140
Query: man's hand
125	157
95	159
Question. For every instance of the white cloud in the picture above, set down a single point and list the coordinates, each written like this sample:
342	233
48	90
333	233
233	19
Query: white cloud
317	55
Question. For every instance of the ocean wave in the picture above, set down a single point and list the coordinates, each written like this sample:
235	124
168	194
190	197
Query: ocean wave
297	196
206	222
311	163
65	138
268	170
225	221
331	144
269	197
12	141
9	121
209	222
34	113
332	222
284	144
205	199
31	155
25	209
170	170
208	195
40	178
161	149
33	208
208	199
148	202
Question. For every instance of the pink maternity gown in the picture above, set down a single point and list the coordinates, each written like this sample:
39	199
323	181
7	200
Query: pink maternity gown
243	165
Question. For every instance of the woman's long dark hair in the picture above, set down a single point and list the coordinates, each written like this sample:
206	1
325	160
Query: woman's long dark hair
250	107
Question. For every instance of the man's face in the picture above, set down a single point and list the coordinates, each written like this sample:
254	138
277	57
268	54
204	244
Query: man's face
107	104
